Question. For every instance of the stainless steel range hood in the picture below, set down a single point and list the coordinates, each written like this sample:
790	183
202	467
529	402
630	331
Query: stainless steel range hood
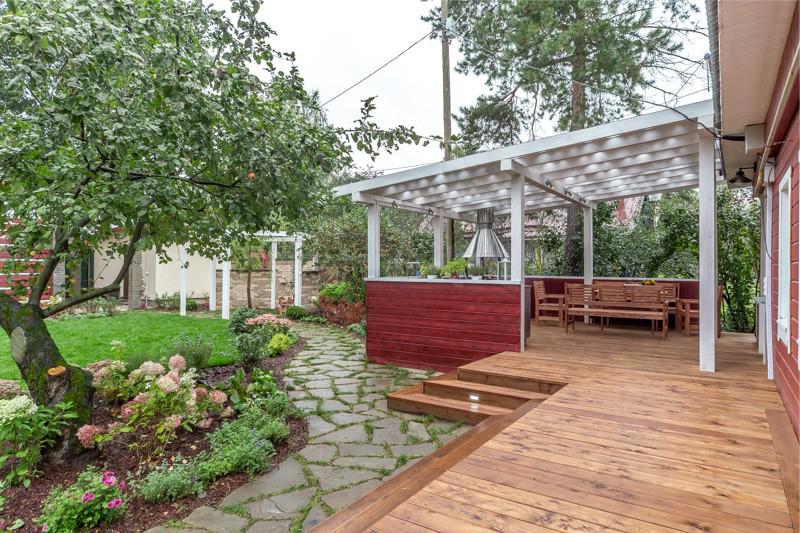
485	243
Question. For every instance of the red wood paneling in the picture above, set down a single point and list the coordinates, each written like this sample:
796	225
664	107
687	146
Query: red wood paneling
785	358
440	325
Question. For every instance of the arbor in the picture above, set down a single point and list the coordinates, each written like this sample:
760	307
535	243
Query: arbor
577	62
140	124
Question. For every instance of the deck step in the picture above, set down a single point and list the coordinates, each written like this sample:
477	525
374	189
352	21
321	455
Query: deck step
481	393
503	380
444	408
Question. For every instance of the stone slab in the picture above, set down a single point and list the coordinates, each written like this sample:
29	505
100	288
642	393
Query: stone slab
288	474
348	434
318	426
334	477
291	502
270	526
373	463
345	497
362	450
315	516
209	518
319	453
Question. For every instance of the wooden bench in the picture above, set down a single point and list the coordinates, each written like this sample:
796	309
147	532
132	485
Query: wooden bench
612	301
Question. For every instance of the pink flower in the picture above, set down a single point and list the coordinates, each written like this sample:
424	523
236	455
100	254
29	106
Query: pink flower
113	504
177	362
86	435
200	392
142	397
227	412
151	368
87	497
45	527
128	410
173	421
218	397
174	376
166	384
267	319
123	485
204	423
109	478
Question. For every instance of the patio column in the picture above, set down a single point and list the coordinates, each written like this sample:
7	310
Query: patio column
226	289
212	288
298	271
708	253
273	281
438	240
374	241
183	280
588	250
518	247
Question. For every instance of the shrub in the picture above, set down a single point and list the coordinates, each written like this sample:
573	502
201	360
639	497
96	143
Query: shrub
296	312
237	324
94	499
429	270
268	320
195	349
279	343
342	312
108	305
168	301
192	305
171	481
251	348
26	429
135	360
109	378
336	292
357	329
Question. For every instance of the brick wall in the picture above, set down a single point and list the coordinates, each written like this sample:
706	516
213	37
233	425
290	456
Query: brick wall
261	285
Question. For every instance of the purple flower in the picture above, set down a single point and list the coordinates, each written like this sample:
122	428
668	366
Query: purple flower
123	485
109	478
87	497
113	504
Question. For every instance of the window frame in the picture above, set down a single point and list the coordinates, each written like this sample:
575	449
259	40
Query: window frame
783	318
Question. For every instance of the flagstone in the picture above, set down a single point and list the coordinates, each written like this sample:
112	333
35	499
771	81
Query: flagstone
334	477
345	497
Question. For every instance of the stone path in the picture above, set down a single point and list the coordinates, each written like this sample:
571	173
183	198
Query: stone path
355	442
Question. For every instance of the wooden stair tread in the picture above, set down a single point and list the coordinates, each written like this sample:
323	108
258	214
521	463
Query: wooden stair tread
493	389
461	405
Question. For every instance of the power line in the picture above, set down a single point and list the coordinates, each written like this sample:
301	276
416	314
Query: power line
368	76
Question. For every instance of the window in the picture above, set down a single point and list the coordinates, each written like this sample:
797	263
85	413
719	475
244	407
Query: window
784	238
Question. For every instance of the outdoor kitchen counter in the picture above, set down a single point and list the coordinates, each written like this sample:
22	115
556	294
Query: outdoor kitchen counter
442	323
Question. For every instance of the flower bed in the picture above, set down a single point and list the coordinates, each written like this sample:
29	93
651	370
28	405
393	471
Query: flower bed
161	418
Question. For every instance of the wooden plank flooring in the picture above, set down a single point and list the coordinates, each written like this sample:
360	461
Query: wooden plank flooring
638	439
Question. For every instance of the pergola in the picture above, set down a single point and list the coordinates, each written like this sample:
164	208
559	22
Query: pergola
272	237
659	152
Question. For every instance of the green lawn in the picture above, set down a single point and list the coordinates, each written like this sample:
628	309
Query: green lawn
85	340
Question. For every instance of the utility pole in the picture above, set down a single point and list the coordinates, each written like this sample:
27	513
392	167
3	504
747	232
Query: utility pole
446	117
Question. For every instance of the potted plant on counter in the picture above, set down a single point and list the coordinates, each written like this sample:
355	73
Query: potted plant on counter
476	272
430	271
454	269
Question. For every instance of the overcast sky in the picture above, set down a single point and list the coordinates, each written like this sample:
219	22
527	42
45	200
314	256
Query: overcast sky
338	42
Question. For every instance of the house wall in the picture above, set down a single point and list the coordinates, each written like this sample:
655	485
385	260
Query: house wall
785	358
106	267
167	278
440	325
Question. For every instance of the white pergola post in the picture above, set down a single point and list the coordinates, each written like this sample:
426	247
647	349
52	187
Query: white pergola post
273	282
588	250
212	288
226	289
518	247
374	241
183	279
438	240
708	253
298	270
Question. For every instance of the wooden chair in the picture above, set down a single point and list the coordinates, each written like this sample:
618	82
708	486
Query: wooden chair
688	309
542	304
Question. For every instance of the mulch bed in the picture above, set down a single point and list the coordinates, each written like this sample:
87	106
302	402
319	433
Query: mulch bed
139	515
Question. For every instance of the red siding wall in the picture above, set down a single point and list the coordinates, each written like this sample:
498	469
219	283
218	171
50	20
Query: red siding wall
23	269
440	325
787	376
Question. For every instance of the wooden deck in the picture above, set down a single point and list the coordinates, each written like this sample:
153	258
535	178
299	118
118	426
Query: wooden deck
636	439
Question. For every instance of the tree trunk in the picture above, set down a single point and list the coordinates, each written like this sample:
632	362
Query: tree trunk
35	352
249	289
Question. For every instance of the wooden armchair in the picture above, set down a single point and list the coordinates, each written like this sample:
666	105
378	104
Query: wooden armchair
543	302
687	310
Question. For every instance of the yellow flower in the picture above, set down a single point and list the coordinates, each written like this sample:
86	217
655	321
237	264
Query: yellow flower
56	371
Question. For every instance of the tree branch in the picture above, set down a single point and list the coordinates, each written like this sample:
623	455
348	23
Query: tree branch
50	264
114	285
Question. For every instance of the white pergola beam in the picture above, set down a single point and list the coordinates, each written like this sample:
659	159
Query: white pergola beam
708	254
371	199
543	184
502	182
438	240
419	178
633	170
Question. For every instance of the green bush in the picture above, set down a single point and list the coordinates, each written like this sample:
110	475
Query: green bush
251	348
195	349
25	431
336	292
314	319
191	305
237	324
279	343
454	267
171	481
357	329
94	499
296	312
108	305
135	360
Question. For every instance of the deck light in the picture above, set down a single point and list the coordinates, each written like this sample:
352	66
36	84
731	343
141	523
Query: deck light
474	397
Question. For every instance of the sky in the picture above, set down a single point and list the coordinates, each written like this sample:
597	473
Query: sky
338	42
